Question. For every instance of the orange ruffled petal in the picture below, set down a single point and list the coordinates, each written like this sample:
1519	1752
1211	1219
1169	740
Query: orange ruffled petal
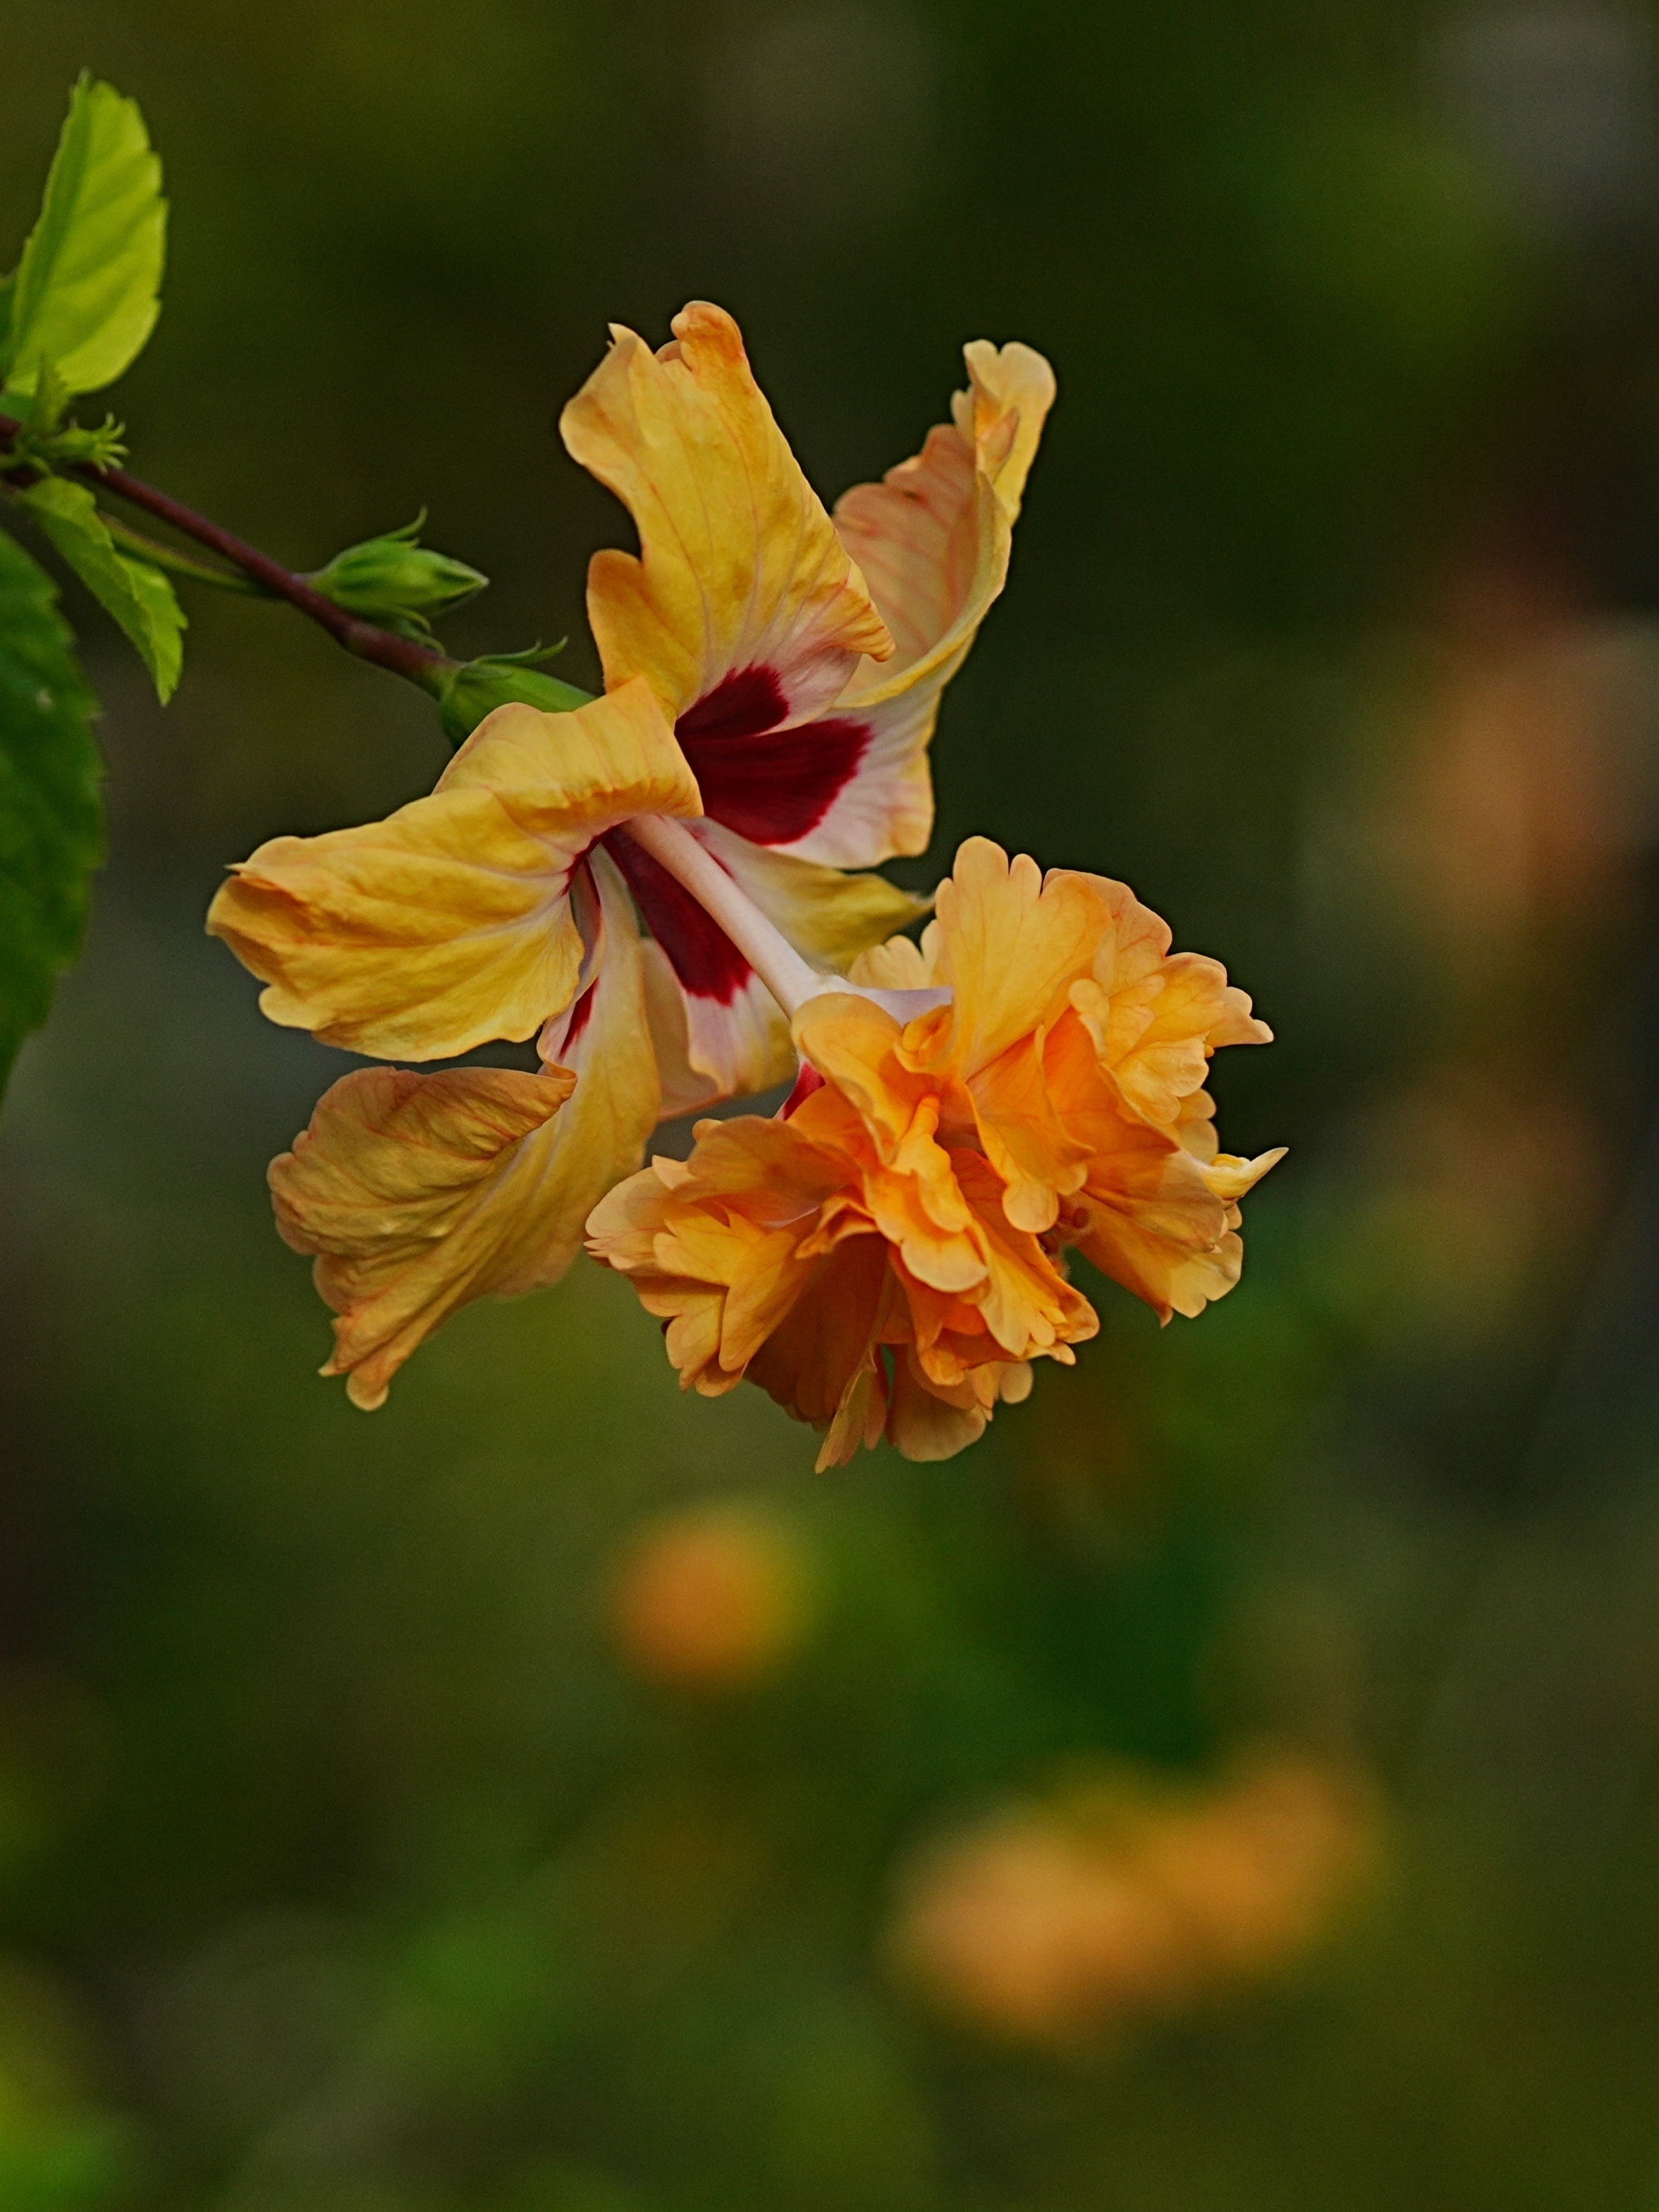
1157	1016
1066	975
853	1292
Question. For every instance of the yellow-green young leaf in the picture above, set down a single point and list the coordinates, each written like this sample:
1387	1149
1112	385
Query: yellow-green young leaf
52	833
139	596
85	297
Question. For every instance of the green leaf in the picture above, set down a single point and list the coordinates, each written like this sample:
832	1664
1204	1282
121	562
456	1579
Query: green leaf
165	619
85	297
52	833
139	596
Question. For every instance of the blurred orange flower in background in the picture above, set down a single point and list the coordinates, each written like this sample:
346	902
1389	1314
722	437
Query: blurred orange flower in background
1052	1923
712	1599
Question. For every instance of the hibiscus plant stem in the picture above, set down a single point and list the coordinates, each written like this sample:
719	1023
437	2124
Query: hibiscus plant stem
404	656
789	978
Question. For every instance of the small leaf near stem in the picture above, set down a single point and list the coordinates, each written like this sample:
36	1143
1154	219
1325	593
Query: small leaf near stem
140	598
181	564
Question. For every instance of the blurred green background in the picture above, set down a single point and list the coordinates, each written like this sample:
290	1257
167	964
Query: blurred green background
546	1794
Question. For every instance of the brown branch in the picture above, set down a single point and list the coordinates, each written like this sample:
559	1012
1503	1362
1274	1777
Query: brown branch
404	656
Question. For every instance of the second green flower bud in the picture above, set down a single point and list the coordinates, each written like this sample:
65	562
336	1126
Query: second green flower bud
396	582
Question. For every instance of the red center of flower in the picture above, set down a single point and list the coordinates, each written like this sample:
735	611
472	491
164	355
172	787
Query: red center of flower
699	951
770	785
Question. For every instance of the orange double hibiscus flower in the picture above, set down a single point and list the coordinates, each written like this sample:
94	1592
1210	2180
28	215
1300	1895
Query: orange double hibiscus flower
653	887
886	1257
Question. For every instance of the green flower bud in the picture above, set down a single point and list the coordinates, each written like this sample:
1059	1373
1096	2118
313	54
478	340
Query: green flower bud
477	687
396	581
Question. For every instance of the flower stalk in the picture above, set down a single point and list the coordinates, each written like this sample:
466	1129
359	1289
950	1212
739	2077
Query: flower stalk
791	979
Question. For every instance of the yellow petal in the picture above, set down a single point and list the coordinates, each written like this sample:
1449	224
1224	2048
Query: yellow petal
420	1193
1011	389
933	537
729	1029
588	763
886	806
739	567
449	924
828	916
685	1088
602	1135
404	1188
932	540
